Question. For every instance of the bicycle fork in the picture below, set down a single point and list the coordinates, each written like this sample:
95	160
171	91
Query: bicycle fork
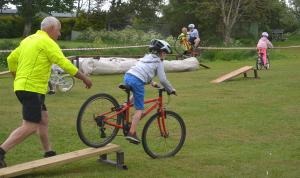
161	122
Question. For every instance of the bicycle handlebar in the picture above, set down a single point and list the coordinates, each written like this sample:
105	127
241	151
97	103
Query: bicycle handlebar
161	90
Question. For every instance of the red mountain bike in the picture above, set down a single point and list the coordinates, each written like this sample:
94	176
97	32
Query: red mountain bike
100	118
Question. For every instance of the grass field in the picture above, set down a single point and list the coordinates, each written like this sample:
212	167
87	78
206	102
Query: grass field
239	128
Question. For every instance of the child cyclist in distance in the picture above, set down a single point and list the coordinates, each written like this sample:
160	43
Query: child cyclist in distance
184	40
262	46
141	74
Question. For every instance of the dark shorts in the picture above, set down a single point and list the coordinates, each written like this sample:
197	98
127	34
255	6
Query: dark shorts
33	105
192	40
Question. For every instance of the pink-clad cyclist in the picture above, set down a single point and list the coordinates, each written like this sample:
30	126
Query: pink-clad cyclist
262	46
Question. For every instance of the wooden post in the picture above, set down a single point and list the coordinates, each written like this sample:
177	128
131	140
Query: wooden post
255	73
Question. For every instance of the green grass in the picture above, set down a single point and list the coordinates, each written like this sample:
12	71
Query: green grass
239	128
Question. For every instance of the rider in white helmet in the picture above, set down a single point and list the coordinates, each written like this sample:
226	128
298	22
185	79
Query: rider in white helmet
263	44
194	38
141	74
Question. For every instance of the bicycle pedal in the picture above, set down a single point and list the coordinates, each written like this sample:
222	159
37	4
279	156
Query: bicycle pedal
134	142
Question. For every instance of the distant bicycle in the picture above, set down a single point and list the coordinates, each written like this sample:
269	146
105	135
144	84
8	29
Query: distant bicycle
61	82
260	62
184	48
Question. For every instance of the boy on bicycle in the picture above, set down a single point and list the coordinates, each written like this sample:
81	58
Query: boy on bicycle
141	74
262	46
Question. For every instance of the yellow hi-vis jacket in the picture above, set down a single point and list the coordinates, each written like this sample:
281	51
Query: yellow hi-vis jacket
32	61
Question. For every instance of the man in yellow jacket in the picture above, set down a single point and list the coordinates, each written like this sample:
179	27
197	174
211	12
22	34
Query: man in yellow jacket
30	64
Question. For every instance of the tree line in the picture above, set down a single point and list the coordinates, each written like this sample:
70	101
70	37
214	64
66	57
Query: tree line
224	19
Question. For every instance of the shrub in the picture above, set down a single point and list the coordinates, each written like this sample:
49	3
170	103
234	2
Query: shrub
67	25
228	55
6	44
11	26
127	36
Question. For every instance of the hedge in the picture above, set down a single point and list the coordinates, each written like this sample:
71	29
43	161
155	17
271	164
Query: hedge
13	26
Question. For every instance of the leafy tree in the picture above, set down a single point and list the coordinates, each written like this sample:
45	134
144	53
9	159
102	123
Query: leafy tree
29	8
3	4
231	11
118	16
145	11
179	13
296	7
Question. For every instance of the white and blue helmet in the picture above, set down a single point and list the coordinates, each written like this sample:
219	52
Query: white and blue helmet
160	45
191	25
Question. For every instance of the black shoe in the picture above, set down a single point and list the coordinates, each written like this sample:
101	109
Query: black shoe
49	154
51	92
132	138
2	162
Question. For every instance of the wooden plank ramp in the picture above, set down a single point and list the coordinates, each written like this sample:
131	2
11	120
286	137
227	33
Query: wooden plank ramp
232	74
45	163
4	73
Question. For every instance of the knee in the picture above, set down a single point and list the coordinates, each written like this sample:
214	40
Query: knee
44	120
29	126
139	113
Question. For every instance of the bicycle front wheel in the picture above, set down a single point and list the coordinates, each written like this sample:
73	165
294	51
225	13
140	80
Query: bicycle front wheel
268	63
66	83
91	126
161	145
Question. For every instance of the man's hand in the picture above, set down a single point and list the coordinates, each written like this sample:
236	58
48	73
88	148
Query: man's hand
13	74
88	83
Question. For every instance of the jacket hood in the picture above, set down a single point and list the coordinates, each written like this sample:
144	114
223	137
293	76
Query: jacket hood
150	58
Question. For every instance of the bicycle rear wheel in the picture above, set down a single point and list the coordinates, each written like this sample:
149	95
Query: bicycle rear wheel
91	128
259	63
159	145
66	83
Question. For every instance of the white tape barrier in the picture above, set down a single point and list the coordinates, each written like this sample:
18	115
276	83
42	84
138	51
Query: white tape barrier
89	49
244	48
142	46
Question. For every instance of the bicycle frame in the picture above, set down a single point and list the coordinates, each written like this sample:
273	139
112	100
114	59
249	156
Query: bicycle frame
157	104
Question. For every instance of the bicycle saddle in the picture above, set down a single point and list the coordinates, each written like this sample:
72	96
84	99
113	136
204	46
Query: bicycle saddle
125	87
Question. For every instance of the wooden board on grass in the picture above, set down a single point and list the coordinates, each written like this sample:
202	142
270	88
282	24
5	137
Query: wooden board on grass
232	74
45	163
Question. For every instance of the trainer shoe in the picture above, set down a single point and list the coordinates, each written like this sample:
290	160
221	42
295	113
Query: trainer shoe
51	92
132	138
2	162
49	154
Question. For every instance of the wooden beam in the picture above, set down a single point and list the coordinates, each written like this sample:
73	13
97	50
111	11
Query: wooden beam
4	73
232	74
45	163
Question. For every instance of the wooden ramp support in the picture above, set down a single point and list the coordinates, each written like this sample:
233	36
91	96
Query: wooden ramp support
45	163
235	73
205	66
